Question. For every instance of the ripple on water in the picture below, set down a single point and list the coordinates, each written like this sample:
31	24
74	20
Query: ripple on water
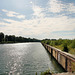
25	59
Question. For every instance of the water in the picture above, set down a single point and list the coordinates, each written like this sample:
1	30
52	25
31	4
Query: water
26	59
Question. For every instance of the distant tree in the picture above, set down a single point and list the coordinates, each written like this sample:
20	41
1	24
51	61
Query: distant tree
60	41
73	44
20	39
10	38
25	40
65	48
1	36
6	38
13	38
48	42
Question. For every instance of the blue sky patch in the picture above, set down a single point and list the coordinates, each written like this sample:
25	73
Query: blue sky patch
38	18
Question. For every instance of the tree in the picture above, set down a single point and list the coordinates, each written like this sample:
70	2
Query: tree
6	38
65	48
13	38
73	44
1	36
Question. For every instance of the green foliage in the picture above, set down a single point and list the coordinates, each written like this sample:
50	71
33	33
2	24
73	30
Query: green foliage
13	39
73	44
63	44
65	48
47	72
10	38
4	74
36	73
1	37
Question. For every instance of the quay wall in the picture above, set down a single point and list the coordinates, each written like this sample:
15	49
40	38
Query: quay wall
66	60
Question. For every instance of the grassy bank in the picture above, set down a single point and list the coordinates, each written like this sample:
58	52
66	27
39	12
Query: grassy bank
62	44
47	72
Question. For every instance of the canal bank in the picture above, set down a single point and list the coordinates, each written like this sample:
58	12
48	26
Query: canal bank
66	60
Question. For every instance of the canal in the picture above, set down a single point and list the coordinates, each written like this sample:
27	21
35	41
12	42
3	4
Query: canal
26	59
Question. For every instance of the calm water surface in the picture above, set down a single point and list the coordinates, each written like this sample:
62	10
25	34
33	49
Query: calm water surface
26	59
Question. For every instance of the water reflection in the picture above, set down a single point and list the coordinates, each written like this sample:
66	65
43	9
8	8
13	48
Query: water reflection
25	59
55	64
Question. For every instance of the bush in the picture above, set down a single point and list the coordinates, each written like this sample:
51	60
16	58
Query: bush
73	44
1	37
65	48
47	72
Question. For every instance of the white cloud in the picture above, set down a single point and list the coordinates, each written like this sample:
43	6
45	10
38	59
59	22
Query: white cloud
38	27
55	6
38	11
71	7
21	16
4	10
13	14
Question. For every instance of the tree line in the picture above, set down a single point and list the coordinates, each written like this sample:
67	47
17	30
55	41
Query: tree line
14	39
66	45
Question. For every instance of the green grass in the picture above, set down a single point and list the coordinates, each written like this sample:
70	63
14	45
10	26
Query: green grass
66	45
47	72
59	47
71	50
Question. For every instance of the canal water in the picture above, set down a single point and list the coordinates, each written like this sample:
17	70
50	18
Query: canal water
26	59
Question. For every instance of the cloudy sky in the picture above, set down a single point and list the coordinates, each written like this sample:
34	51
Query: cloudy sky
38	18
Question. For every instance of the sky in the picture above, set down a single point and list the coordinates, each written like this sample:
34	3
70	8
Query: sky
39	19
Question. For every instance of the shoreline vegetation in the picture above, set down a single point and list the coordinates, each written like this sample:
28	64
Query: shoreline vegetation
66	45
5	39
47	72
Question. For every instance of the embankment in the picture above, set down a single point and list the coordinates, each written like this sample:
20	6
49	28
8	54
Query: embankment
66	60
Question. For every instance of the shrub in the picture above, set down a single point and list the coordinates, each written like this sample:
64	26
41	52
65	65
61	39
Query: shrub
47	72
65	48
73	44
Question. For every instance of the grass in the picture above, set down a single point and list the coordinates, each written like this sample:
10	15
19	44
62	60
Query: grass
71	50
47	72
59	47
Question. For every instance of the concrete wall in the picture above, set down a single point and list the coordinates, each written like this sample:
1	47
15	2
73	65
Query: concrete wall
66	60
